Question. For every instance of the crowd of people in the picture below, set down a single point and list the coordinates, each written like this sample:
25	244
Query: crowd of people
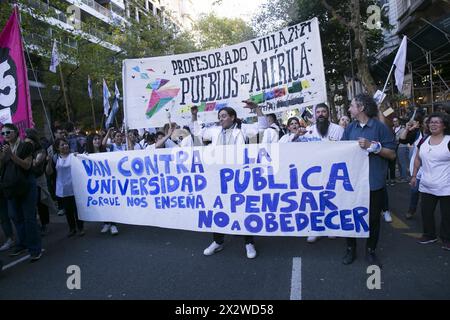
36	182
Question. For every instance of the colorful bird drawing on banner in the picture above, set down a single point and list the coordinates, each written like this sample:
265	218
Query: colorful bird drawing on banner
160	96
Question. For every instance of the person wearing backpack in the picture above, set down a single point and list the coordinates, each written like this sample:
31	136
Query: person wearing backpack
433	157
415	134
19	187
45	202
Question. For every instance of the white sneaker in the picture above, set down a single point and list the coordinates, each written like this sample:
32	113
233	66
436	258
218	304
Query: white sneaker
311	239
9	243
213	248
387	216
114	230
251	251
105	228
61	212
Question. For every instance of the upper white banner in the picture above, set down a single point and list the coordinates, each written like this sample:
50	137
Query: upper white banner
281	71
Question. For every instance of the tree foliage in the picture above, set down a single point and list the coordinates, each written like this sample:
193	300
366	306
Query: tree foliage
214	32
344	35
151	36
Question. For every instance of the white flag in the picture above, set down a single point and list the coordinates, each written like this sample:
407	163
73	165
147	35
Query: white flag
106	96
55	58
89	87
400	62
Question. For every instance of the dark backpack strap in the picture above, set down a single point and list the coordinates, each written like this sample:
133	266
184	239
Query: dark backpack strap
422	141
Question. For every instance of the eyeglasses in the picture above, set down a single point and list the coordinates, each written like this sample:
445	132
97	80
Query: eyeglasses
6	133
436	122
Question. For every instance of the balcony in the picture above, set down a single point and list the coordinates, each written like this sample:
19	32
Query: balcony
61	17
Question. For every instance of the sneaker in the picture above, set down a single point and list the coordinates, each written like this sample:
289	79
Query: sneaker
311	239
81	233
251	251
213	248
9	243
387	216
114	230
372	258
427	240
61	212
36	257
105	228
350	256
17	252
446	246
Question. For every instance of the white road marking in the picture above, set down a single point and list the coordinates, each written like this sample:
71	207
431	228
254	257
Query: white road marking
296	280
12	264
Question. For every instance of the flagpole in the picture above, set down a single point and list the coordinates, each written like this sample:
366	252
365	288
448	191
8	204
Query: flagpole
35	79
93	114
388	77
64	92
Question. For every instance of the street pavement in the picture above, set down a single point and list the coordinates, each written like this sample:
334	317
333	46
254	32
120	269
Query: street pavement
159	264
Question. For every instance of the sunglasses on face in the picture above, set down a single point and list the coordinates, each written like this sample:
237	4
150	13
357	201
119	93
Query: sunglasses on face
6	133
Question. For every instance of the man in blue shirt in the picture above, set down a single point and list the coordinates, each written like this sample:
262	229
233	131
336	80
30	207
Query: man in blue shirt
378	140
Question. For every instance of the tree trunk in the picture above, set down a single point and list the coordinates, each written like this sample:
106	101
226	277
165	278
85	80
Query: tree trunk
361	49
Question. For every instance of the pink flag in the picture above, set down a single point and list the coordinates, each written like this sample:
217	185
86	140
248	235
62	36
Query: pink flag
14	89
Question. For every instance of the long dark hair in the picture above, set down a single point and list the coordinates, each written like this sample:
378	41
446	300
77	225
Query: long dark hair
90	143
231	112
57	142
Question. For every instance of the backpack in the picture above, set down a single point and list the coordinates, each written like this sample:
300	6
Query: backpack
39	171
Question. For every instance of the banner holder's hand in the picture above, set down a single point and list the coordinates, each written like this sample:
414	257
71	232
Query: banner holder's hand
249	104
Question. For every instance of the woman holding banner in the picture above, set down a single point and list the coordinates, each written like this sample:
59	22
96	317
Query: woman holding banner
230	132
61	164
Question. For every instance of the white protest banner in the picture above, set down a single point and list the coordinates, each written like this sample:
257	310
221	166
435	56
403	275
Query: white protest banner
247	189
281	71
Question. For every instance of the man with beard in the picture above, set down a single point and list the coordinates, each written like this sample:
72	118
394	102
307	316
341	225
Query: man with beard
323	129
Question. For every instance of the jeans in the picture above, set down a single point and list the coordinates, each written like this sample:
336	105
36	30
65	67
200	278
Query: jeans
386	200
219	238
22	211
403	161
4	218
414	197
376	204
43	212
429	203
391	171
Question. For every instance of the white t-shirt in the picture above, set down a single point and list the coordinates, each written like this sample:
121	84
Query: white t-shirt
271	134
435	168
335	133
64	186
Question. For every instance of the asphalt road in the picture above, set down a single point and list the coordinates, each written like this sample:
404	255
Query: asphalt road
158	264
